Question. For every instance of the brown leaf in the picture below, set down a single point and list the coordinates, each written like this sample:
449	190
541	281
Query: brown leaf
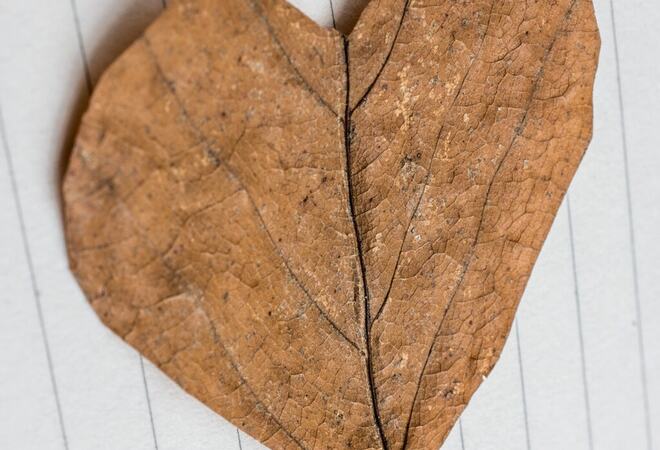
324	239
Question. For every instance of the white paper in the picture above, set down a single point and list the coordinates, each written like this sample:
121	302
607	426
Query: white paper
581	369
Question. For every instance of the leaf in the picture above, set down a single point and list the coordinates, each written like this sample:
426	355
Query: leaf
325	238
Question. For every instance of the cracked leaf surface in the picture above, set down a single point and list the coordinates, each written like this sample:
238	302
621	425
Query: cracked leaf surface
325	238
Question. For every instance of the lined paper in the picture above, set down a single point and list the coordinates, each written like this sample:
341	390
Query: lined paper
581	368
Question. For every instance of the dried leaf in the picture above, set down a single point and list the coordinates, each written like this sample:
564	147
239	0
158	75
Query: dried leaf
325	238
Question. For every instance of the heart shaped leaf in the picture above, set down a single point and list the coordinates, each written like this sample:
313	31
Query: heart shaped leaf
324	238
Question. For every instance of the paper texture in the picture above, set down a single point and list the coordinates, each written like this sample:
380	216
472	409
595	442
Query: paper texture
581	369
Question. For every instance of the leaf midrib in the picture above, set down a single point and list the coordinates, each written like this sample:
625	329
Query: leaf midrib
346	122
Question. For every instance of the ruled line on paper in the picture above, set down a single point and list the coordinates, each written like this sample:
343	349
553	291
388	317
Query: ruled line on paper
332	12
578	309
460	430
81	46
522	386
238	436
33	278
631	230
146	391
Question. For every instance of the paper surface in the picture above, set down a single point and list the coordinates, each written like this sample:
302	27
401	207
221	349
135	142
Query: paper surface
581	369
